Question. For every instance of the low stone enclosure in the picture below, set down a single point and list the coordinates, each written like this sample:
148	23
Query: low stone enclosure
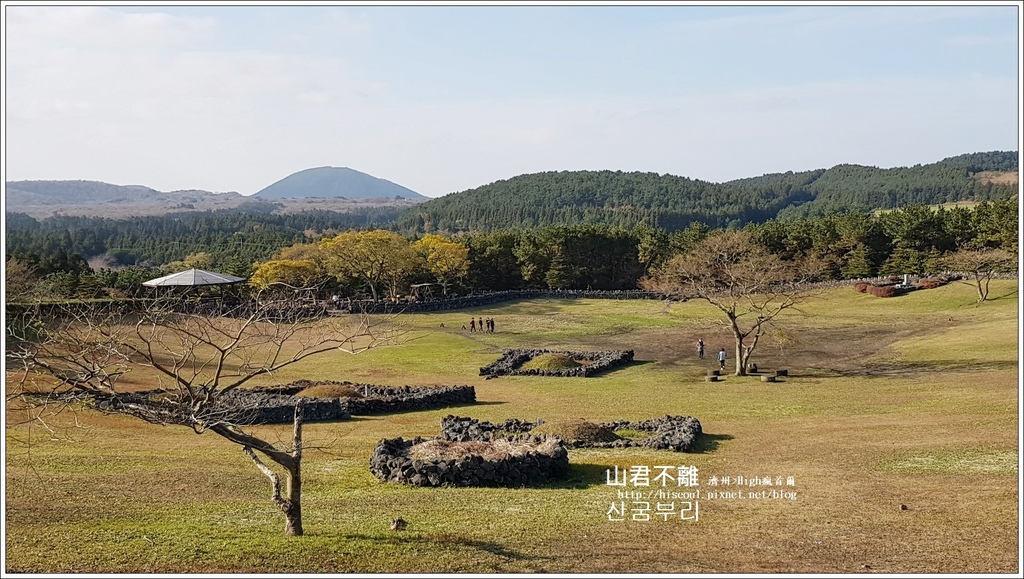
436	462
586	363
471	452
276	405
677	433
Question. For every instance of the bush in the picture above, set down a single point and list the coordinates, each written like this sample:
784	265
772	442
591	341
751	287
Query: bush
933	282
886	291
861	286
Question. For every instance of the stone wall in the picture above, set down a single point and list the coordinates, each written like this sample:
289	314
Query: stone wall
676	433
508	364
276	405
381	399
462	429
480	300
390	462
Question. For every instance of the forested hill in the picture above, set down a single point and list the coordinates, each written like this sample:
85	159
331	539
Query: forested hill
672	202
606	197
977	177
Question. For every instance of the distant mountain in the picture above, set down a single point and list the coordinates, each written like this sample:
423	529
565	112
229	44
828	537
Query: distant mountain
42	199
335	182
45	198
74	192
672	203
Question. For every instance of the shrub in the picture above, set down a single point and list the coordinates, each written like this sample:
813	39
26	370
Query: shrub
861	286
886	291
932	282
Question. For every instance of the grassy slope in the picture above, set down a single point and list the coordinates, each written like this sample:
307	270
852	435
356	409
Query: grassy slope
911	400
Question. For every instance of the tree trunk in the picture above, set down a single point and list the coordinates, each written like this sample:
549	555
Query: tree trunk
293	511
981	281
741	370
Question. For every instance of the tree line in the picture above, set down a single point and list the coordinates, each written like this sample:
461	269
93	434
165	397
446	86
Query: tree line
235	238
383	264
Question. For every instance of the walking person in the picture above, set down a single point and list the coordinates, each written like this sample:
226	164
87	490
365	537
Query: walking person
472	324
700	348
721	358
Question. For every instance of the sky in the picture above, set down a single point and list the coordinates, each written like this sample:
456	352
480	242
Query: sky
446	98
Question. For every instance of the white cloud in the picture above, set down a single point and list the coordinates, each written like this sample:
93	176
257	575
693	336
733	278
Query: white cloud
156	104
30	27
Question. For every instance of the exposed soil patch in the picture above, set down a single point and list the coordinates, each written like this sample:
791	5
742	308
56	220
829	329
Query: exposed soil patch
843	351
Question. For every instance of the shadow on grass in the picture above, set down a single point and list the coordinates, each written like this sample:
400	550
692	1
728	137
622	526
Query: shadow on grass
487	546
1010	294
913	368
425	409
446	539
580	476
708	442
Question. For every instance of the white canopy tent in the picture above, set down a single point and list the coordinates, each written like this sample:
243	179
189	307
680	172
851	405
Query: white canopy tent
193	277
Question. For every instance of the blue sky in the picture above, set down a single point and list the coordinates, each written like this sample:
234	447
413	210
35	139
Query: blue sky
446	98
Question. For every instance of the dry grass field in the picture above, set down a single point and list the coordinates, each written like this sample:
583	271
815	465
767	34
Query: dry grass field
997	177
898	423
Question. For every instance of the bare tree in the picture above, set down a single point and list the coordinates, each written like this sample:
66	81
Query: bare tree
74	353
981	265
742	279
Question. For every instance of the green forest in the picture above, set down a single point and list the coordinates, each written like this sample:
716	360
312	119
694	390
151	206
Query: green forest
565	230
673	203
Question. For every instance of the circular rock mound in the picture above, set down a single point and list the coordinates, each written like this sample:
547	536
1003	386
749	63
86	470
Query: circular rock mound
493	463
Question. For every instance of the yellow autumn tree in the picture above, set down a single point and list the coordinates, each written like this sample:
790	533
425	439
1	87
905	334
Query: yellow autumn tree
291	272
381	259
447	260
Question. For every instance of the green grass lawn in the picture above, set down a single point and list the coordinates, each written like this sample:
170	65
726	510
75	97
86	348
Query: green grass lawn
907	401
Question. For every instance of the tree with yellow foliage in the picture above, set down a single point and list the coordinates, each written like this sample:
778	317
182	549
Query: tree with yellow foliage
447	260
378	258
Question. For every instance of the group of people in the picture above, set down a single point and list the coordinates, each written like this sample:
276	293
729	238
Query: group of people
481	325
721	353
